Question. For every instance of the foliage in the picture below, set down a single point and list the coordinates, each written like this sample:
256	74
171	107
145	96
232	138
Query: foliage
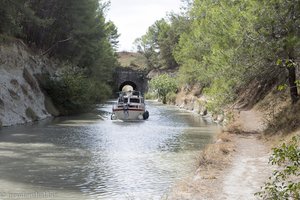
72	91
230	43
160	41
76	32
219	94
150	95
171	98
73	31
12	13
211	52
278	25
284	184
162	85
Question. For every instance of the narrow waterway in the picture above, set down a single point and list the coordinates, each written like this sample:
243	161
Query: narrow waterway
91	157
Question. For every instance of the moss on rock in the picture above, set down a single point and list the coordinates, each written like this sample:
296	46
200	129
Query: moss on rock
31	114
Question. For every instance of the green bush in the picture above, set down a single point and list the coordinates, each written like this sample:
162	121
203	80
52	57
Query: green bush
150	95
162	85
285	183
72	91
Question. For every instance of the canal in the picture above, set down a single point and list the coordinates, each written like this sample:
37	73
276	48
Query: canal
90	157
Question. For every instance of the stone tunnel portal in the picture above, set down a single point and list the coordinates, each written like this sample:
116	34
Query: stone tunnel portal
135	78
131	83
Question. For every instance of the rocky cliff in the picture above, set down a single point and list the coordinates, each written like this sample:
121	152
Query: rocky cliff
21	98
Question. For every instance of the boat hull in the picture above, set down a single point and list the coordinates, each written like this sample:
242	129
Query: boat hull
128	114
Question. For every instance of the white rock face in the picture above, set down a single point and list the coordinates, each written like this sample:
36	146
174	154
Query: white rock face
21	99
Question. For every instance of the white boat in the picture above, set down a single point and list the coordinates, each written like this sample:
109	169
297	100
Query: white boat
130	106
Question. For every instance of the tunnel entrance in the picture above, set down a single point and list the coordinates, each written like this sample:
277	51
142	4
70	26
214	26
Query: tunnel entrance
135	78
126	83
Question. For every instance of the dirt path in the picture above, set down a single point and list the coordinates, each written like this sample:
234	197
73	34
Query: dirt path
238	175
250	121
249	168
248	171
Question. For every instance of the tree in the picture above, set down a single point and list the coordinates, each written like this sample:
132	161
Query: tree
211	52
162	85
12	14
148	46
160	41
74	32
278	26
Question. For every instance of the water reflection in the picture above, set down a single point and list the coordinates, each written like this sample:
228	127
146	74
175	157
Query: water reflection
91	157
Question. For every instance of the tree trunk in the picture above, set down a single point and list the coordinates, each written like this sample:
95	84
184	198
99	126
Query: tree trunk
292	84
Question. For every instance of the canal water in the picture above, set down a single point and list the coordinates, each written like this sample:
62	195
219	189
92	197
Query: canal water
91	157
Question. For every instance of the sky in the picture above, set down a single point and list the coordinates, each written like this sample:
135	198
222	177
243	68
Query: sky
133	17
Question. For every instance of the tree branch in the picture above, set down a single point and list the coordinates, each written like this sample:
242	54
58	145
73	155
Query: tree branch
61	41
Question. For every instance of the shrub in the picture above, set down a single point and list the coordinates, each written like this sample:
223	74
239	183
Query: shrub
162	85
72	91
285	183
150	95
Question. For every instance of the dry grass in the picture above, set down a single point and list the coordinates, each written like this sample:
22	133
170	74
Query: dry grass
280	116
233	128
277	139
212	162
286	121
217	155
132	60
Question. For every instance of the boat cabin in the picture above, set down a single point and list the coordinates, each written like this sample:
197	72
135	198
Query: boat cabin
130	97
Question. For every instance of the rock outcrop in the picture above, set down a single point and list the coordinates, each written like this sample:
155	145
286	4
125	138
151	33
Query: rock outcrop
21	98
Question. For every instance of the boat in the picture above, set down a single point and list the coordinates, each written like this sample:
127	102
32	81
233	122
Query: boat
130	105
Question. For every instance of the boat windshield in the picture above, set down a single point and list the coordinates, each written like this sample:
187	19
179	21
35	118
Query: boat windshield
134	100
123	100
